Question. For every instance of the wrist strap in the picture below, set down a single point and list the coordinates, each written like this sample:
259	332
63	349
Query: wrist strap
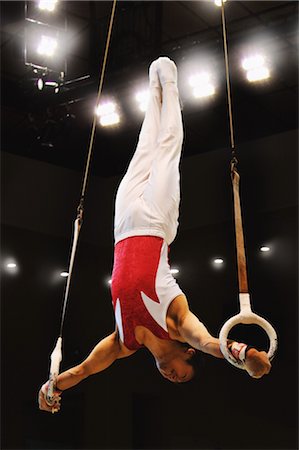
239	350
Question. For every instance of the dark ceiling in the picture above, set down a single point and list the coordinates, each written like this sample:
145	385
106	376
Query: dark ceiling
56	128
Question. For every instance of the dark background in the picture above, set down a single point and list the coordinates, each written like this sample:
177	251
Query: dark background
130	406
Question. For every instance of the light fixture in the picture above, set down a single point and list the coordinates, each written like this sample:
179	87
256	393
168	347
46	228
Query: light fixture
219	2
174	271
51	83
142	99
11	266
255	67
265	249
64	274
109	281
40	84
261	73
47	46
48	5
107	114
218	261
202	85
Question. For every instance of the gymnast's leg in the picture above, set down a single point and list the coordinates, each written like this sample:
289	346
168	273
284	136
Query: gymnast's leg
136	177
163	187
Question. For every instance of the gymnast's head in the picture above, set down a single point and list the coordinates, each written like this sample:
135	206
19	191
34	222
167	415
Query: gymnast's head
181	367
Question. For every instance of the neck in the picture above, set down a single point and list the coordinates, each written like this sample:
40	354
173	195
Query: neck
162	349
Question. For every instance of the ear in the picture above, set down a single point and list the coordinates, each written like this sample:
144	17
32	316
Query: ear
190	351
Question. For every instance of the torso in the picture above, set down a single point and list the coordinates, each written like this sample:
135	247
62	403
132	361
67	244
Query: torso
145	295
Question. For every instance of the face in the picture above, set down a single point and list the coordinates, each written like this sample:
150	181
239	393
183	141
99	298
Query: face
177	369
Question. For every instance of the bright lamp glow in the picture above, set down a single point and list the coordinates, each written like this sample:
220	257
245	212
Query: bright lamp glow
47	46
142	99
255	68
265	249
204	91
11	266
174	271
202	86
260	73
51	83
218	261
107	114
253	62
219	2
105	109
48	5
111	119
40	84
64	274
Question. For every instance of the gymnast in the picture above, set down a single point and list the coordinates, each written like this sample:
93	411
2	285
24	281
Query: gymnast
150	308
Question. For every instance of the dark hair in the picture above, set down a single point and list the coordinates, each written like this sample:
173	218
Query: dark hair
196	361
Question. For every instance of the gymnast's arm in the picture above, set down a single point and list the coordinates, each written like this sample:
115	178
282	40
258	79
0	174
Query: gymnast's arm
196	334
101	357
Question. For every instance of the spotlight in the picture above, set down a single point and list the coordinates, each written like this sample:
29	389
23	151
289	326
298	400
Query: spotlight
142	99
219	2
218	261
265	249
109	282
107	114
11	266
47	46
201	84
51	84
255	68
253	62
111	119
174	271
48	5
64	274
40	84
261	73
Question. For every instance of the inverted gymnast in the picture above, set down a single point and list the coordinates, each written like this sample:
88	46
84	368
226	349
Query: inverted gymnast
150	308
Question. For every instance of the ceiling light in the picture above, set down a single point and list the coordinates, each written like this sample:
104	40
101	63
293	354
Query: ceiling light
109	119
107	114
109	281
11	266
204	91
218	261
258	74
253	62
255	68
142	99
48	5
64	274
265	249
40	84
47	46
105	108
202	86
219	2
174	271
51	83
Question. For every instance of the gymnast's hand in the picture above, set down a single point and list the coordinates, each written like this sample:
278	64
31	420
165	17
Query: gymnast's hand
43	405
257	363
